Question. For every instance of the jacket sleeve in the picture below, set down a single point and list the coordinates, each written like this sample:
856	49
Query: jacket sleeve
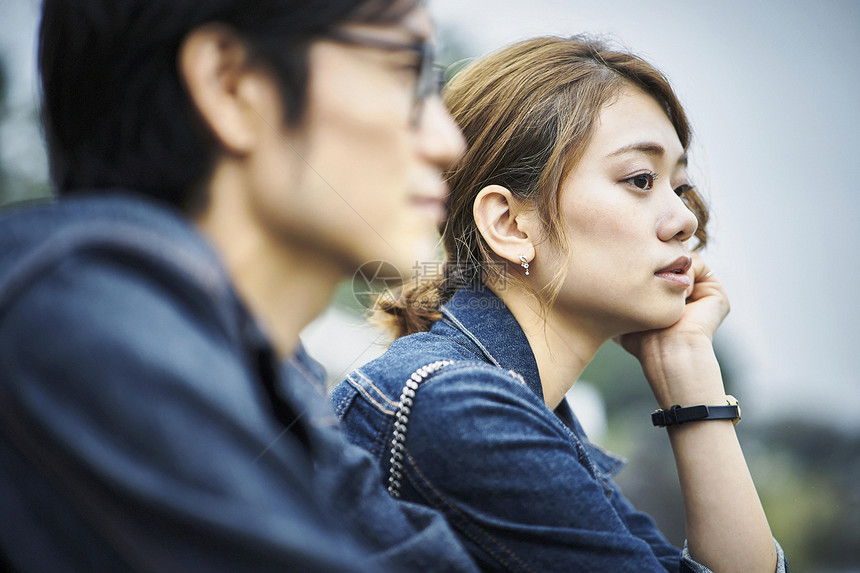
643	526
125	400
399	536
516	483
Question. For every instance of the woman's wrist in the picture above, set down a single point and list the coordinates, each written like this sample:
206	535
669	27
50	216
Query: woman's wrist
684	371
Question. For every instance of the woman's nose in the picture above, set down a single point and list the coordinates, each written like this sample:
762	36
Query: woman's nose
678	223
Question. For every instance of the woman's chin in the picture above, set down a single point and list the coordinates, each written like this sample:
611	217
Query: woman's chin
658	321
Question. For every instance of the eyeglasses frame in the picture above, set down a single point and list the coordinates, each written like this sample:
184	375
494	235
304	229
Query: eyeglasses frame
431	78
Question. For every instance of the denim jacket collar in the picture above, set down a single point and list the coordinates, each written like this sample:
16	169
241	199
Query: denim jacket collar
485	319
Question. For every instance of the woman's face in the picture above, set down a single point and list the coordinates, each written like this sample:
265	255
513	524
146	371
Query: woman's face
369	184
627	222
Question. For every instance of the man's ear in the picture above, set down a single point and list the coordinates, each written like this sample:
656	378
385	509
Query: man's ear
509	230
228	94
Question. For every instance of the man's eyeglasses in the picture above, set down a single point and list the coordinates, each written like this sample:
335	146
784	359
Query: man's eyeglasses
431	78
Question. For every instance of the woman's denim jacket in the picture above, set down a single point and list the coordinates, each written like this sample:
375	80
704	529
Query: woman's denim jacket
471	436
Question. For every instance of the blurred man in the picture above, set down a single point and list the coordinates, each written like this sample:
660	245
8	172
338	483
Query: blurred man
222	164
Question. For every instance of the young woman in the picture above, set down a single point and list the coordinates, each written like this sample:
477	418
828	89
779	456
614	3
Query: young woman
571	222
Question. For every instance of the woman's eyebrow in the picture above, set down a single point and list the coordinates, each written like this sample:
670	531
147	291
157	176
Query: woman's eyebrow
648	148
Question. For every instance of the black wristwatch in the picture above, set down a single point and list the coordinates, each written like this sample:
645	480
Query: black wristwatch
678	415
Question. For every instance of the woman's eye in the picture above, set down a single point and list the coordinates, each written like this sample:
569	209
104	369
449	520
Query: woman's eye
683	190
644	181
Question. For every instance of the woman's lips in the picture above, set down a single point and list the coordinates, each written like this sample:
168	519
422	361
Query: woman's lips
679	279
676	272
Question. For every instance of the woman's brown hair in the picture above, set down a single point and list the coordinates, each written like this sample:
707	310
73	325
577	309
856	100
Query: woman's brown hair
527	112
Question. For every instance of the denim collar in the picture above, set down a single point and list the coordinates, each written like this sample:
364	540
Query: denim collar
485	319
311	370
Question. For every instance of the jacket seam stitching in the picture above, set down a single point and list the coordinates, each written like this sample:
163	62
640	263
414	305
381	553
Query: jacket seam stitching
380	392
340	408
367	395
460	326
584	459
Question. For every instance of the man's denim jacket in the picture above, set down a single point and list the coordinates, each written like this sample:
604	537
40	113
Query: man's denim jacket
145	423
471	436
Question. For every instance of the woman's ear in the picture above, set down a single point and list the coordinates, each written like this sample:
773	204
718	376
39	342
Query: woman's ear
227	93
508	229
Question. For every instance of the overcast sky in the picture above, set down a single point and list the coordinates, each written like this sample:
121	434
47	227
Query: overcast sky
772	90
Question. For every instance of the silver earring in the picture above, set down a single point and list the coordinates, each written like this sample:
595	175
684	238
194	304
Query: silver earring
524	263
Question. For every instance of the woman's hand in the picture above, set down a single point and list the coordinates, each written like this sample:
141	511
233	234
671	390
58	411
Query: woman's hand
679	360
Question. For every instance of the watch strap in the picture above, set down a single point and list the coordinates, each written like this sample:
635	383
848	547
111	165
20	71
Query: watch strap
677	415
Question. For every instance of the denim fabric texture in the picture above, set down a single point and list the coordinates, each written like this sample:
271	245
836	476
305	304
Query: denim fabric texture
522	484
146	423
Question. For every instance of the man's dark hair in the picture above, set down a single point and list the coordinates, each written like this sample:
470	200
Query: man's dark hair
115	112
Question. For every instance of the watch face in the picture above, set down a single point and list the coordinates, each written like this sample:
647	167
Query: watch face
732	401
